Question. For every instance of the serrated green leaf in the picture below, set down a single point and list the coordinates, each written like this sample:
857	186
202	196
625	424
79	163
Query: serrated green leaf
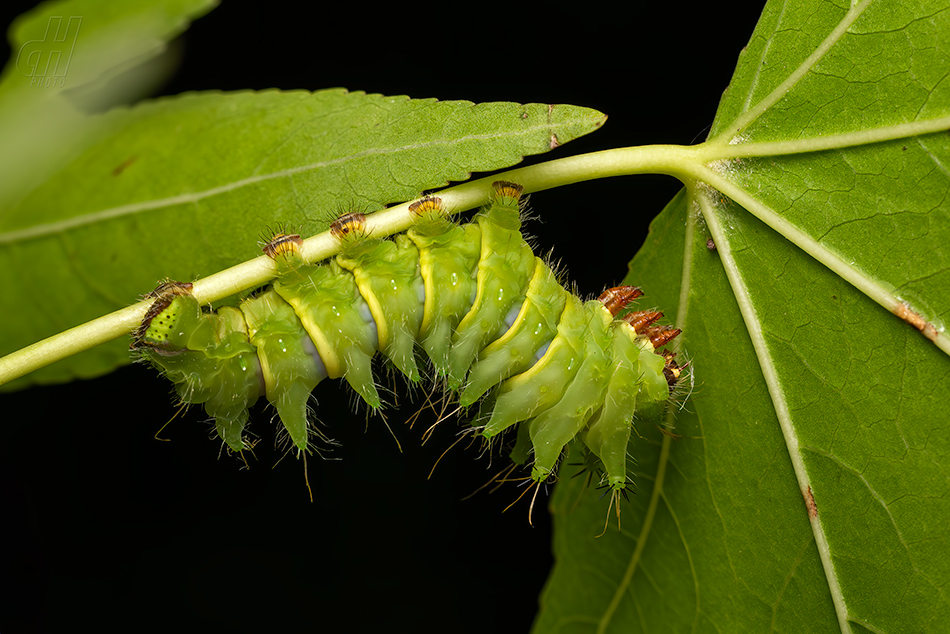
183	187
807	487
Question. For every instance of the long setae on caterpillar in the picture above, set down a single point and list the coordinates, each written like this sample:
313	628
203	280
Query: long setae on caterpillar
499	329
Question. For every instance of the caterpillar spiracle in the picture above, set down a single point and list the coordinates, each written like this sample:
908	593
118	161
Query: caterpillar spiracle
499	329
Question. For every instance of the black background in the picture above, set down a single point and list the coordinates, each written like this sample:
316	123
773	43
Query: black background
108	528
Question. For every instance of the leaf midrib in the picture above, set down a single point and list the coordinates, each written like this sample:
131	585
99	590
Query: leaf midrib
777	393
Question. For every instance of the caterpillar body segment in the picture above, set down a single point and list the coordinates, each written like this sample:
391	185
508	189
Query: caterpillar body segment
236	383
532	328
337	318
608	431
158	332
499	330
555	427
288	360
505	267
387	275
541	386
448	259
654	388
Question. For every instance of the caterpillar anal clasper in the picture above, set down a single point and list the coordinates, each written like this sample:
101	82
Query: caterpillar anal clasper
500	332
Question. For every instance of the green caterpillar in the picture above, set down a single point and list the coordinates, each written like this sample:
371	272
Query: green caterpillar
499	329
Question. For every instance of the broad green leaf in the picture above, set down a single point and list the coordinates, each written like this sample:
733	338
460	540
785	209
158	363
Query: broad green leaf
183	187
808	486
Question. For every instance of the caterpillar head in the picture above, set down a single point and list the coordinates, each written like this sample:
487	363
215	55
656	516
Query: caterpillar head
168	321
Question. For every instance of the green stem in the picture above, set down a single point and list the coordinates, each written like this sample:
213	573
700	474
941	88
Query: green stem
704	163
667	159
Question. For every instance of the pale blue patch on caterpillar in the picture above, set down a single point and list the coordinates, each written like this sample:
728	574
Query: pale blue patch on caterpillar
497	326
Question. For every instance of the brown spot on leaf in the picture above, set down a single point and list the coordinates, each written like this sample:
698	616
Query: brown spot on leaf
810	503
123	165
914	319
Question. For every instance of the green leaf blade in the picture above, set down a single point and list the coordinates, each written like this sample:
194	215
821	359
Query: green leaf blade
854	203
184	187
842	364
809	483
819	69
723	552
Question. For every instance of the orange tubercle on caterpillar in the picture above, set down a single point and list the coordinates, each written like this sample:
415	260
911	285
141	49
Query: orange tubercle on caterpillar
641	319
505	189
615	299
661	335
349	226
428	206
283	243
